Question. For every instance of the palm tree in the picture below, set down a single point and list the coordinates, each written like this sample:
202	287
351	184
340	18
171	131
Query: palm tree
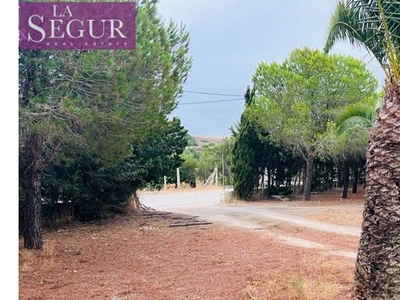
353	128
375	24
354	125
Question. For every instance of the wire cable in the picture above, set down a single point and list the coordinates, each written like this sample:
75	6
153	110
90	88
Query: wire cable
214	94
213	101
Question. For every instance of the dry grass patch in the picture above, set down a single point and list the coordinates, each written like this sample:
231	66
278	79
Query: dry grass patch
349	217
48	249
27	259
315	278
141	257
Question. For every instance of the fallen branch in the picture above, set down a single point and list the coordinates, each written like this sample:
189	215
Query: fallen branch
189	223
184	218
156	215
145	208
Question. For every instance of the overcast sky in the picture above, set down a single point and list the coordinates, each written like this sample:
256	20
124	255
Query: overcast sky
228	40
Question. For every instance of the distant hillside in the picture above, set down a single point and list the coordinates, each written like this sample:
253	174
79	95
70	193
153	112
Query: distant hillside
207	140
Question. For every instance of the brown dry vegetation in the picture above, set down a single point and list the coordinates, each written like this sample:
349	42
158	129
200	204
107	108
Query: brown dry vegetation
139	256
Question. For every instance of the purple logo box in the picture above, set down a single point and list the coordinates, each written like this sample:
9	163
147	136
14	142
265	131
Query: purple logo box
77	25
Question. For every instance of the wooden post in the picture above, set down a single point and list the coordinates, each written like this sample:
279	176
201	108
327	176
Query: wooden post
178	179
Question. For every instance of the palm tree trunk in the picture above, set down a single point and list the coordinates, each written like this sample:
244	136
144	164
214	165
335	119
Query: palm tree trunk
378	261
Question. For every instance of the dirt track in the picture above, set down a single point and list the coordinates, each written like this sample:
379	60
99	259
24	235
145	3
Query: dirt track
215	206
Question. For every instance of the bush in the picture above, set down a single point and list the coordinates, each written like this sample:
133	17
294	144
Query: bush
86	190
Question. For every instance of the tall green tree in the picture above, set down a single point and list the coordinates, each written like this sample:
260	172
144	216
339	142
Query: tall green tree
87	189
375	25
247	156
103	101
188	169
162	154
224	149
298	98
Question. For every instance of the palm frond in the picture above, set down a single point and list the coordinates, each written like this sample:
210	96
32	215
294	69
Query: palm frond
356	118
373	24
353	123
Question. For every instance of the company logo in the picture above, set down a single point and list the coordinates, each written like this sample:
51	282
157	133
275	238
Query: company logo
77	25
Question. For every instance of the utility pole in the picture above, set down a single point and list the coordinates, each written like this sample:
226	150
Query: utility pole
178	179
223	179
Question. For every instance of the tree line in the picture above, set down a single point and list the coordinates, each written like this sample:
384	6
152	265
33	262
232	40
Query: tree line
296	133
94	126
298	103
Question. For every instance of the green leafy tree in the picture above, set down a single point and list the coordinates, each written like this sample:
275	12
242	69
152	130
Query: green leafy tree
298	97
208	161
84	189
350	133
162	154
247	156
102	101
354	126
212	156
224	149
87	189
282	165
191	141
272	163
375	25
189	167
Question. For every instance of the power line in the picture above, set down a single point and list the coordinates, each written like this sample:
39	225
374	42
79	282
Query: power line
214	101
214	94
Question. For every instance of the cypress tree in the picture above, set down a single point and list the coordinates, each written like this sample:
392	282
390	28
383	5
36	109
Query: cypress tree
244	154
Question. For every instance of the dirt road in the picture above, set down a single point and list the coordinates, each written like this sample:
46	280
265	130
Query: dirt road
259	250
212	205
